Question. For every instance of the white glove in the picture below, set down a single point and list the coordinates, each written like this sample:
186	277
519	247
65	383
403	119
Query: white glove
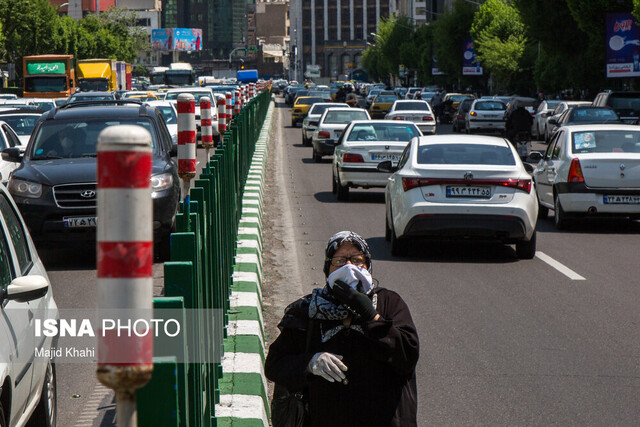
328	366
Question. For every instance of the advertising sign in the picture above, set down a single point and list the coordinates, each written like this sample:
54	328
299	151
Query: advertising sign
46	68
623	45
469	65
186	39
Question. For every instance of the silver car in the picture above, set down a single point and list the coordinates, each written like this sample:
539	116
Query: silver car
330	127
416	111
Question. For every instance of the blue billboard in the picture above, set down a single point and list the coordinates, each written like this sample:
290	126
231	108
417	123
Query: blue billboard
469	65
186	39
623	45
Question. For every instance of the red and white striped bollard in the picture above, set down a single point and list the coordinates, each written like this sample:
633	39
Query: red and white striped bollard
229	107
186	147
222	116
206	131
124	264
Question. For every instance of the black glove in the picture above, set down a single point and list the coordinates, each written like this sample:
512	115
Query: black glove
358	302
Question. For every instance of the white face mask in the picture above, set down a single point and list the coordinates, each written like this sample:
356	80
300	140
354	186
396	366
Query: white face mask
352	275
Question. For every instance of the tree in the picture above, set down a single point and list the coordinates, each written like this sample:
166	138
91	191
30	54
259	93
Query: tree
499	40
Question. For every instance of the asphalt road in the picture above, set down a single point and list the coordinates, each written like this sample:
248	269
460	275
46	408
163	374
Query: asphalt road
552	340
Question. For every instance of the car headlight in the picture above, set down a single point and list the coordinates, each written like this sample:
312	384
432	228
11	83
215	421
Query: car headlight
161	182
22	188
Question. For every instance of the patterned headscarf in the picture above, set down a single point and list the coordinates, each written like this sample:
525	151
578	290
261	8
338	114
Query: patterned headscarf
337	240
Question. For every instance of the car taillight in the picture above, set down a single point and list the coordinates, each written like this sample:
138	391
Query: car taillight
427	118
397	118
352	158
324	134
518	184
575	172
473	113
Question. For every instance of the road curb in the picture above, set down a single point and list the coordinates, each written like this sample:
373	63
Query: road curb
243	386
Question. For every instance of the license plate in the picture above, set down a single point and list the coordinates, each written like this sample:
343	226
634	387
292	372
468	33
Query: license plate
80	221
385	156
630	121
464	191
622	200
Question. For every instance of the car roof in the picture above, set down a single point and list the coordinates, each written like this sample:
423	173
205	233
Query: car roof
103	110
462	139
89	94
345	109
397	122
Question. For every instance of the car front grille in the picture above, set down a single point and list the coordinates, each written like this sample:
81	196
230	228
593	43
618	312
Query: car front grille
73	196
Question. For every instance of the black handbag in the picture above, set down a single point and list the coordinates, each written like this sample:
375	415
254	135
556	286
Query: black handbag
290	409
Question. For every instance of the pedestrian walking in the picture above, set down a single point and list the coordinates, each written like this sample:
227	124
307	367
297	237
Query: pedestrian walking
350	347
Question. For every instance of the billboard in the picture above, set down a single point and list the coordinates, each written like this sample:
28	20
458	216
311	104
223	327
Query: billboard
186	39
623	45
469	65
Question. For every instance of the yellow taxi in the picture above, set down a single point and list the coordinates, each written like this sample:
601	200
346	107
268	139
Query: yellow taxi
381	105
301	108
451	102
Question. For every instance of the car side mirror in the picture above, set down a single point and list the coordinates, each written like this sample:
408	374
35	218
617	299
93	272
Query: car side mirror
535	156
27	288
553	121
12	154
386	166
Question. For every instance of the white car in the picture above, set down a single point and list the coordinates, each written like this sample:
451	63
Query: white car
198	93
540	116
28	380
361	147
555	114
486	115
170	114
310	122
416	111
460	186
8	139
330	126
21	122
590	170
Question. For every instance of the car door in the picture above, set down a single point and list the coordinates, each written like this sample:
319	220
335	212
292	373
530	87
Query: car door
544	173
18	350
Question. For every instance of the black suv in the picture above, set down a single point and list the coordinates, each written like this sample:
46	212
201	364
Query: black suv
625	104
55	184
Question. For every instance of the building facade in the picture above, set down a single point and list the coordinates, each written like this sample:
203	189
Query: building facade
272	34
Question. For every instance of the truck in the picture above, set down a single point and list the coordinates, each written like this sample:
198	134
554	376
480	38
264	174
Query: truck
48	76
97	75
180	74
247	76
129	75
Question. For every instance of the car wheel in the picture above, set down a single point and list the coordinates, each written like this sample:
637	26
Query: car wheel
560	217
293	123
398	246
387	229
45	413
315	156
304	140
342	192
526	249
3	420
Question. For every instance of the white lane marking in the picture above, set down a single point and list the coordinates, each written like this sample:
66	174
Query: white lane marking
558	266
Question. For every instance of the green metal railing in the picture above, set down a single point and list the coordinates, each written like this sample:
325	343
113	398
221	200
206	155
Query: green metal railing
198	280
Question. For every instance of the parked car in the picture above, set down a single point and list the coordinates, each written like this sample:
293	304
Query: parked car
417	111
55	183
460	187
29	389
310	122
590	170
301	108
460	118
363	145
381	105
540	117
585	114
486	116
560	108
625	104
330	126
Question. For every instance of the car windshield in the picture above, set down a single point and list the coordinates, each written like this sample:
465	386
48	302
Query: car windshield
465	154
344	117
197	95
606	141
490	106
412	106
22	125
169	114
66	139
593	115
383	132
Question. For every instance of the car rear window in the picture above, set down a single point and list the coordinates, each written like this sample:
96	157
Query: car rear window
490	106
593	114
308	101
385	98
84	134
197	95
344	117
319	109
624	101
412	106
606	141
465	154
383	132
